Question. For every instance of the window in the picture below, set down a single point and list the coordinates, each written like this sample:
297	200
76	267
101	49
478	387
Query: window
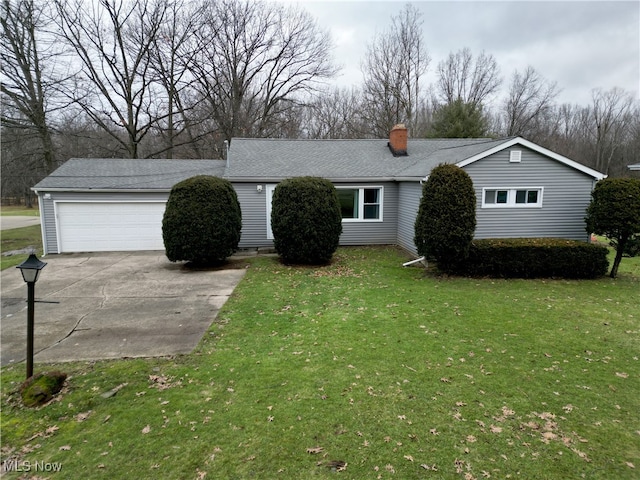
360	204
512	197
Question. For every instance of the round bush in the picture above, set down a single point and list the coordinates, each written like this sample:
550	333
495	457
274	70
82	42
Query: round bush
202	221
306	220
446	218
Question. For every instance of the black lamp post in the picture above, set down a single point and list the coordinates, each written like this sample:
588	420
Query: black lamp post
30	270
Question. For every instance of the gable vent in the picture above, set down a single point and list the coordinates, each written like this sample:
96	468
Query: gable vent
515	156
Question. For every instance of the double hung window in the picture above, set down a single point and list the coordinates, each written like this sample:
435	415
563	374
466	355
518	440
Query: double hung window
360	203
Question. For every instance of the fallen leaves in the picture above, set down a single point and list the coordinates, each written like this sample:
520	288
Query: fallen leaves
81	417
162	382
337	465
146	430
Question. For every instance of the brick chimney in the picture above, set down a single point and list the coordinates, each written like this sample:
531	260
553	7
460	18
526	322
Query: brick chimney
398	140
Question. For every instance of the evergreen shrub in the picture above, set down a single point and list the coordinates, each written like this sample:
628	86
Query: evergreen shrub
202	221
446	219
534	258
306	220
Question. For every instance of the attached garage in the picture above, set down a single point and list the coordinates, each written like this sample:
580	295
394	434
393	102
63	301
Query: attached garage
103	205
109	226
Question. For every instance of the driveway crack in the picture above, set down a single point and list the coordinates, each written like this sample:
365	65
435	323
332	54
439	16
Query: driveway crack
76	326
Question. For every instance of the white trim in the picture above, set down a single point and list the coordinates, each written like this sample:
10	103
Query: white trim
361	202
634	167
536	148
269	189
511	198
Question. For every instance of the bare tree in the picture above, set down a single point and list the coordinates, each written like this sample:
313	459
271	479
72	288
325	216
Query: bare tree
610	117
530	97
259	59
172	53
112	39
460	77
27	83
334	113
393	69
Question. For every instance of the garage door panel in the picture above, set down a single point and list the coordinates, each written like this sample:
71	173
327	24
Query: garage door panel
110	226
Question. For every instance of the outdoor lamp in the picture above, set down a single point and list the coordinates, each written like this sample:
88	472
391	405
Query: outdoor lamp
30	270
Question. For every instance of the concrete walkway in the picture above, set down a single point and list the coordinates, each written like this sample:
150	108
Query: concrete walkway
9	222
113	305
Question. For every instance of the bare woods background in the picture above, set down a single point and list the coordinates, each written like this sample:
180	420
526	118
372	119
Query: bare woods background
178	78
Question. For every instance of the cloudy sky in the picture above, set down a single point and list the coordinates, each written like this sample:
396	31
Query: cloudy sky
581	45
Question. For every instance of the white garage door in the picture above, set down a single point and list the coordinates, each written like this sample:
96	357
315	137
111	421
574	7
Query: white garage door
109	226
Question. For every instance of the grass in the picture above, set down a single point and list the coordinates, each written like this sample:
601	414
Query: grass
19	210
392	371
16	239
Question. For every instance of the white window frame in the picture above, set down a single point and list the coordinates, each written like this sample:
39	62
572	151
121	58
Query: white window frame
361	204
511	197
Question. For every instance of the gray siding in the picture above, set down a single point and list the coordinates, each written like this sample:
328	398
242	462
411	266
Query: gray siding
375	233
50	240
254	218
254	215
566	197
409	195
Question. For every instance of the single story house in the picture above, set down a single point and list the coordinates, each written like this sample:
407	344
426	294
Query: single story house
522	190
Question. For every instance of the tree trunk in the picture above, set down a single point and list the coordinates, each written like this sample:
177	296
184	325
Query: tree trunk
622	242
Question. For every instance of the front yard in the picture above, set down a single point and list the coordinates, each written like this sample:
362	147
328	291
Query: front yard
361	369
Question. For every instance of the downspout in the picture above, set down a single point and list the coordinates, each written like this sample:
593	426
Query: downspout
411	262
423	260
226	152
42	226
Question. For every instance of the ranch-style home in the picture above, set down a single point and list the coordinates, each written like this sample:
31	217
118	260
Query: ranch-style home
522	190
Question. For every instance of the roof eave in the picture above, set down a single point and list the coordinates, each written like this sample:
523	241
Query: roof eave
100	190
331	179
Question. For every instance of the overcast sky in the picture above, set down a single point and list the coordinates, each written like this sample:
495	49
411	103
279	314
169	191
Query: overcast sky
581	45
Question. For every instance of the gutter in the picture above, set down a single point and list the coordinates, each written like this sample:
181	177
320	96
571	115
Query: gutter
331	179
102	190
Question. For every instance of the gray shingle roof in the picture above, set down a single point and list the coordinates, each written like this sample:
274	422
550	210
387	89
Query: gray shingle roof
126	174
273	159
264	160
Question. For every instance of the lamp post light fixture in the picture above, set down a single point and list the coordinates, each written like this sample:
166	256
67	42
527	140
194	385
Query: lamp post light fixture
30	270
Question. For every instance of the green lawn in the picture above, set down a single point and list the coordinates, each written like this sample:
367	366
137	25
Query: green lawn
20	211
363	369
16	239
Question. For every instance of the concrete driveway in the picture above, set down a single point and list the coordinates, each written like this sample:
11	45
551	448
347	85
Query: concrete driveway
112	305
9	222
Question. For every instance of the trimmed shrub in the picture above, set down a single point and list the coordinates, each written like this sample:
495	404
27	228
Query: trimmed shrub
534	258
446	218
202	221
614	212
306	220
